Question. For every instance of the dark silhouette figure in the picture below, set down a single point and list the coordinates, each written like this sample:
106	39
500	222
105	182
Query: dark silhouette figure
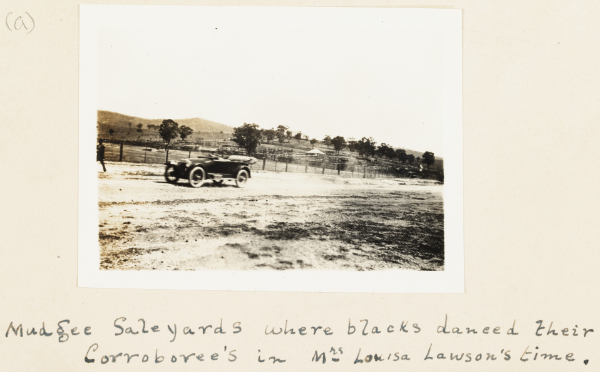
100	153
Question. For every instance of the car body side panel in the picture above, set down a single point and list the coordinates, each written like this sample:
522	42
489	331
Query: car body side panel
225	167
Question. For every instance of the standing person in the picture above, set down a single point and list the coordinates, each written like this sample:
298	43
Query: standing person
100	153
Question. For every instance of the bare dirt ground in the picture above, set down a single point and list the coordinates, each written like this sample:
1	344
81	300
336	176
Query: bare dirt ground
278	221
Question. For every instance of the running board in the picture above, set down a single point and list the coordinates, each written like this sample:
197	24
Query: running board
218	176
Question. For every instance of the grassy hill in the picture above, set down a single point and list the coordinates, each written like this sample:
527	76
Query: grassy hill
125	127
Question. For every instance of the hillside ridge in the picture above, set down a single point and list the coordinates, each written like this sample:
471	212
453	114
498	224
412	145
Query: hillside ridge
197	124
117	121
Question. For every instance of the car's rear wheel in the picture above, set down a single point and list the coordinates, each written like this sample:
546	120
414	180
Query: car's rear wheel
197	177
171	174
242	178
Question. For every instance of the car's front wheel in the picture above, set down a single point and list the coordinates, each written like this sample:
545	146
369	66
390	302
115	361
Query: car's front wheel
197	177
171	174
242	178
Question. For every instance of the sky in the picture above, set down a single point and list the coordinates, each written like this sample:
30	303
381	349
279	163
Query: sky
349	72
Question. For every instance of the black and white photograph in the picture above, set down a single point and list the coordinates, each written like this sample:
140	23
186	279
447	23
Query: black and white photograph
299	145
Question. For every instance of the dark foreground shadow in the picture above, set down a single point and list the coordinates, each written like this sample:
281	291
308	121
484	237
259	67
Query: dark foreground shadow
206	184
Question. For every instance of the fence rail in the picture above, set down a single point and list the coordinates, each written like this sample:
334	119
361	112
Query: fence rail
140	154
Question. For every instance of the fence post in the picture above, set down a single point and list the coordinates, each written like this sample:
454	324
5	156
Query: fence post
190	154
121	152
264	162
275	165
306	167
145	154
167	159
365	172
286	164
323	168
338	167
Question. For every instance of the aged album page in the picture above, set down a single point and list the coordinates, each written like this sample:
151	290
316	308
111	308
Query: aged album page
333	185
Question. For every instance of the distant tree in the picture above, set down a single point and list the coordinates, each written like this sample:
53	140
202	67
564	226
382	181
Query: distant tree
298	136
185	132
428	158
306	137
288	135
338	143
269	135
390	153
352	144
281	129
327	141
247	137
410	158
139	126
366	147
379	151
111	131
401	155
312	142
139	130
385	150
168	130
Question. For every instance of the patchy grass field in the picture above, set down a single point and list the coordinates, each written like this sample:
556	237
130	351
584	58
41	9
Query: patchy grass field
280	221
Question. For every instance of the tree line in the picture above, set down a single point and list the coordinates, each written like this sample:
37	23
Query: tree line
168	130
250	136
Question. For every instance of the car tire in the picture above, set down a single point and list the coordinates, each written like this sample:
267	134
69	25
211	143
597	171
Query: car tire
170	174
241	178
197	177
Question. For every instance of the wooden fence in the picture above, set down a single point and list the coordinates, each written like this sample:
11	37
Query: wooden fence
139	154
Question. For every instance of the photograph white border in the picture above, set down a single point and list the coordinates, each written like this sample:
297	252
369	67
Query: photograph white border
451	280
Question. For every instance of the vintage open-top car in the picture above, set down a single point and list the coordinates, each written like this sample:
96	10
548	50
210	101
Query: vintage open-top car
215	168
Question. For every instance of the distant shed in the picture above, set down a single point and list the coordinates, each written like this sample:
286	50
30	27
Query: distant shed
315	152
